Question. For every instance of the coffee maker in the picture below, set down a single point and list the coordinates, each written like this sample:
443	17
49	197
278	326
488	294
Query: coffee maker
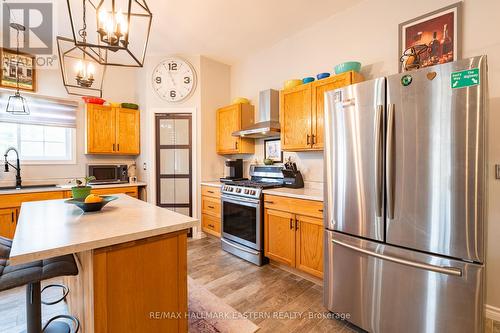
234	170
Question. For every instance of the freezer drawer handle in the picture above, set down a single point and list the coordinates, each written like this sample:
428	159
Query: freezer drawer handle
437	269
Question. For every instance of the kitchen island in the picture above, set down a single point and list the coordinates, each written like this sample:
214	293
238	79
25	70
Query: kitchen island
132	260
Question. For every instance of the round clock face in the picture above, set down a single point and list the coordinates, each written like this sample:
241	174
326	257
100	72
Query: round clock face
174	80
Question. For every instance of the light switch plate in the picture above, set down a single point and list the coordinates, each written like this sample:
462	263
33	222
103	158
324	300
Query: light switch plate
497	171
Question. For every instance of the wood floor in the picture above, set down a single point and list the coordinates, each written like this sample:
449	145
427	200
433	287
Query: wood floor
257	291
261	291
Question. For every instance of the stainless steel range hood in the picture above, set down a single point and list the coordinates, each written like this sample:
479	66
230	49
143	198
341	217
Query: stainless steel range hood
267	124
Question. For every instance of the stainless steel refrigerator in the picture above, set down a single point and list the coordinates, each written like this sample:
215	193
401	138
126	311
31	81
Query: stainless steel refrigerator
405	181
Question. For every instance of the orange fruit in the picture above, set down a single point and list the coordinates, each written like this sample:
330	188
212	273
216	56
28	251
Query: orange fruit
92	198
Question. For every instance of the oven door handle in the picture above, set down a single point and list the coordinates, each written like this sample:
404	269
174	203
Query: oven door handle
239	247
240	201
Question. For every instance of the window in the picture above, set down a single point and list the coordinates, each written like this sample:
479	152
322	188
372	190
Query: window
39	144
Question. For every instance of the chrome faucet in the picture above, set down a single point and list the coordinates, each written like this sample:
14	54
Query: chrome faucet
17	167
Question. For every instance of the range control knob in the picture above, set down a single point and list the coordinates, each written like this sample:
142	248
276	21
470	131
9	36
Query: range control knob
238	190
246	191
252	192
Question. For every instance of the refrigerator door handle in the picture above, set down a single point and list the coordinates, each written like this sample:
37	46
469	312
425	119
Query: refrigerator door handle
378	159
390	169
438	269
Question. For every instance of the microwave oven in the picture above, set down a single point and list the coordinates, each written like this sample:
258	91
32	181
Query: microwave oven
108	173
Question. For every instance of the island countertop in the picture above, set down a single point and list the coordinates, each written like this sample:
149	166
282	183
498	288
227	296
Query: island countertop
52	228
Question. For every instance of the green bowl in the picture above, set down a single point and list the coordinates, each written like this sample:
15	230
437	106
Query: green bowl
91	207
347	67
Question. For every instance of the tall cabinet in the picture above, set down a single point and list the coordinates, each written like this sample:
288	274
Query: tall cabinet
301	112
112	130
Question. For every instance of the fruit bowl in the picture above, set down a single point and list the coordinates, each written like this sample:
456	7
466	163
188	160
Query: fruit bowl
93	206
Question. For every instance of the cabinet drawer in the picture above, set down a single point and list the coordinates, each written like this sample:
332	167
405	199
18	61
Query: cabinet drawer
296	206
210	206
130	190
15	200
210	224
210	191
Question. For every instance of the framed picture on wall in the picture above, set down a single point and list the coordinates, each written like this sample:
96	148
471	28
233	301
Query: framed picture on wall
272	150
24	65
435	37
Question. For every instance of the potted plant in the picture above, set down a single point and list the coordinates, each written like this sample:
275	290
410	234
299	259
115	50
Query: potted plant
82	189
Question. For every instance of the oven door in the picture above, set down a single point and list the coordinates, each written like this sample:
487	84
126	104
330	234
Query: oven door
241	221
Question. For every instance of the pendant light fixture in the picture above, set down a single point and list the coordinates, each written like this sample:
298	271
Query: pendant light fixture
81	74
17	104
119	30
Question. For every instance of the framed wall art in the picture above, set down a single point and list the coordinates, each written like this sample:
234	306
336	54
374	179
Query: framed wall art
435	38
23	64
272	150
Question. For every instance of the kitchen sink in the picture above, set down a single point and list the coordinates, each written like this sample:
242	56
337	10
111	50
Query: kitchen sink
27	187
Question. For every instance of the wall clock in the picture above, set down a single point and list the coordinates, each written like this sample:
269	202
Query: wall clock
174	80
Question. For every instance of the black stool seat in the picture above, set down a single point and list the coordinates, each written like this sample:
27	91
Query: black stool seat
12	276
5	246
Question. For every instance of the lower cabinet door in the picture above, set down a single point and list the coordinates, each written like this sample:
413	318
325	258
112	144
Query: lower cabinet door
8	222
309	245
279	236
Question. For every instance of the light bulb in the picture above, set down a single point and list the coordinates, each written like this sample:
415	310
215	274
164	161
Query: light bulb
78	66
90	69
109	27
103	16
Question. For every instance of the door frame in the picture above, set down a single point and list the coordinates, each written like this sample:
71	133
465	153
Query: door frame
158	147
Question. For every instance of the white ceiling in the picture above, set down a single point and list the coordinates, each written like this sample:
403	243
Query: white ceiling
228	30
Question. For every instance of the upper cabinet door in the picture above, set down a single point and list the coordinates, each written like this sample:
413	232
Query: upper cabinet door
228	121
101	129
295	118
127	131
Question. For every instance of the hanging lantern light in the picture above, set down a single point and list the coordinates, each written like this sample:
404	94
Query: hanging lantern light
81	74
17	104
122	27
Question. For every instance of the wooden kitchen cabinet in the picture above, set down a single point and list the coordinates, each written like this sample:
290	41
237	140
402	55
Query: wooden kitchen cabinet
230	119
301	112
8	222
293	233
309	245
112	131
279	243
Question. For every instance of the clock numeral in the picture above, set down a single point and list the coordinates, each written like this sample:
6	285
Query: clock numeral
187	80
172	66
158	79
173	93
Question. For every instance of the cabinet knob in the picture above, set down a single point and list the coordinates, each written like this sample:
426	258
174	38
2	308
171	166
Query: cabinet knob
307	139
118	147
291	223
296	224
268	202
211	207
114	147
236	144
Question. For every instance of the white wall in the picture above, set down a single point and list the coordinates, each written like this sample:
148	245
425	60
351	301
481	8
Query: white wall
212	90
368	32
119	86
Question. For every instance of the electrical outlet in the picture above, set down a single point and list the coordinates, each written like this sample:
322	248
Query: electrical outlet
497	171
144	167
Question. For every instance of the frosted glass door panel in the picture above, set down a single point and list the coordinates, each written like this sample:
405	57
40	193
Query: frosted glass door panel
174	132
174	161
174	191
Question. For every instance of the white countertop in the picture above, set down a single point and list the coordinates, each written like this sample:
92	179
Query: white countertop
52	228
66	187
213	183
298	193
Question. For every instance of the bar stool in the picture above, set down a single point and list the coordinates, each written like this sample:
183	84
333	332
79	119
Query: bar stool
31	275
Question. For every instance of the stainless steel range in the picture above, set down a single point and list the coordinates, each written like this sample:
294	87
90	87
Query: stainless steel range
242	213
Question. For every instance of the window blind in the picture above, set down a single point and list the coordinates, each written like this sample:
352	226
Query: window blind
47	111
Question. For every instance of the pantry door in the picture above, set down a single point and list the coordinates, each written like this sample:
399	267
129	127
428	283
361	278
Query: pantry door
174	162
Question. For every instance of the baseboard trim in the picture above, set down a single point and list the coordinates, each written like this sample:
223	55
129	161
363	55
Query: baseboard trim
492	312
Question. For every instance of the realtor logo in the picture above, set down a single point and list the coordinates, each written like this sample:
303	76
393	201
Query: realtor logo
37	17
